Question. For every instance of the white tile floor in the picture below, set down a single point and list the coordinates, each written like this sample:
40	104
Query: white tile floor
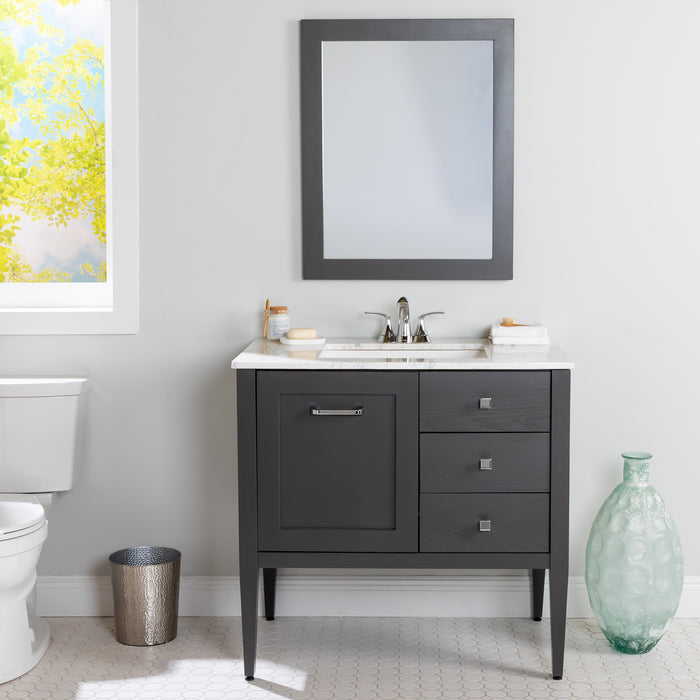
363	658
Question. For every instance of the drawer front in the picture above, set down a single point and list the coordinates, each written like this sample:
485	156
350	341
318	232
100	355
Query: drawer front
483	401
507	522
484	462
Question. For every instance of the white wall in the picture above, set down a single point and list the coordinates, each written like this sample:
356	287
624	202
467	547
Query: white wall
607	146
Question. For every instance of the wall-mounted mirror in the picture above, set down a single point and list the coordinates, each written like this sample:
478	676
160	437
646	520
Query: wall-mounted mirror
407	148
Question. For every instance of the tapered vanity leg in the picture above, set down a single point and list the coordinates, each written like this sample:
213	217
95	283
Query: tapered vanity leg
558	580
537	593
249	618
269	581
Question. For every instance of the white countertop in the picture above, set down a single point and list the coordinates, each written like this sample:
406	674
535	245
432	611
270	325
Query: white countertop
366	354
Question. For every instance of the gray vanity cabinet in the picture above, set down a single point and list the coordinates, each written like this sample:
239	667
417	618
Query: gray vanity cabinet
404	469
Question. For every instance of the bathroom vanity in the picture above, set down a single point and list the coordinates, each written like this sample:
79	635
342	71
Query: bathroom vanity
452	455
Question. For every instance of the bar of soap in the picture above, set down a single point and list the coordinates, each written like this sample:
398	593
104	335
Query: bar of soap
302	333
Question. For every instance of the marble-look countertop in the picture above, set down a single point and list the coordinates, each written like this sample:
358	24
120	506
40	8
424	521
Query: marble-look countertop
366	354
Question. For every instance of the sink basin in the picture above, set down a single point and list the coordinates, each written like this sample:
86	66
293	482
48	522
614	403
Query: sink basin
404	352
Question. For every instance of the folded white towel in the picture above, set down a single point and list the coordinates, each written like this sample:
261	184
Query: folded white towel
499	331
529	340
519	352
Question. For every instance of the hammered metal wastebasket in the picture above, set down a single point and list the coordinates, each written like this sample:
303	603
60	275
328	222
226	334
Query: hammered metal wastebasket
146	587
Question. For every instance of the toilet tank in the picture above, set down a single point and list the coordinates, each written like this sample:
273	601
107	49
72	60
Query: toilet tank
41	433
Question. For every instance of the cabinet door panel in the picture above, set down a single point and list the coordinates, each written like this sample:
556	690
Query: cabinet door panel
343	481
485	401
517	522
483	462
338	472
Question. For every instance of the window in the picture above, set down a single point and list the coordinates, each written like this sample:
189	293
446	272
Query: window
103	233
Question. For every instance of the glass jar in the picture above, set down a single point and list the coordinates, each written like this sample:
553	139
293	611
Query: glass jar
634	562
279	322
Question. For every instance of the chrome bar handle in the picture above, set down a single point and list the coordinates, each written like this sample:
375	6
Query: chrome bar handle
337	411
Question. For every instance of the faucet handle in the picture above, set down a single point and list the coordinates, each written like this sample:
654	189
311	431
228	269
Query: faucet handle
388	335
421	335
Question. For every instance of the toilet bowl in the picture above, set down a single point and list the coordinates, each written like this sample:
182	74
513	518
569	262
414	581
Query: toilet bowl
24	637
41	445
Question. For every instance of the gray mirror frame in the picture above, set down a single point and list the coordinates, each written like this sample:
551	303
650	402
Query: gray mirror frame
313	32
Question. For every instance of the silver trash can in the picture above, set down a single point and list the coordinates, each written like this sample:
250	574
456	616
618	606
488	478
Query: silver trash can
146	587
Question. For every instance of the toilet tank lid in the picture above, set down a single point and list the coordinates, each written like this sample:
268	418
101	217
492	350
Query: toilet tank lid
42	386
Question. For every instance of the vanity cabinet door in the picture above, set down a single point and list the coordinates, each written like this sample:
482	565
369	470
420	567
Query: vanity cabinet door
337	461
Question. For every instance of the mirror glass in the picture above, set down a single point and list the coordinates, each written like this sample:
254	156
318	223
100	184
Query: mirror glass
406	154
407	149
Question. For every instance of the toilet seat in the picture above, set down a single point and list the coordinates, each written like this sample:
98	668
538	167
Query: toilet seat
20	515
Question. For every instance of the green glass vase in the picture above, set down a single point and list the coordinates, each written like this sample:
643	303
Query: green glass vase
634	562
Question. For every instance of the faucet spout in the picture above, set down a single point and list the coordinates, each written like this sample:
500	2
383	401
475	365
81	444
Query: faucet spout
403	333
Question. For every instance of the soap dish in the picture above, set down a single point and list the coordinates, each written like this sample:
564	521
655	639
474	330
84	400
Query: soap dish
308	342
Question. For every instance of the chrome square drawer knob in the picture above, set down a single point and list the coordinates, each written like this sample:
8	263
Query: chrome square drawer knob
485	403
486	465
484	526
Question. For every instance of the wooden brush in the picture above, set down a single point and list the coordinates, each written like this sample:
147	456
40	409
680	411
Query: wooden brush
510	323
267	315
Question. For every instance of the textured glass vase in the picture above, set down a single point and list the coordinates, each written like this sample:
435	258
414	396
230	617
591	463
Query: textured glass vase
634	562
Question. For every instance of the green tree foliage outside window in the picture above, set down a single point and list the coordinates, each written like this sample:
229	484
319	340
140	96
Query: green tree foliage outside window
52	136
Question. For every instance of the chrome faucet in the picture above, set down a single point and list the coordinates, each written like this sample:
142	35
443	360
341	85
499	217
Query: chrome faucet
403	332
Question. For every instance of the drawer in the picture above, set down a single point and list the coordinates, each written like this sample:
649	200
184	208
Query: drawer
517	522
484	462
483	401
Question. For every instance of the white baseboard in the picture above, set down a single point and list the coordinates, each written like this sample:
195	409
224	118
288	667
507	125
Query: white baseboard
340	594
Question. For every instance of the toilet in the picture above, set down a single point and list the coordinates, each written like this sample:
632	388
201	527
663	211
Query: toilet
41	443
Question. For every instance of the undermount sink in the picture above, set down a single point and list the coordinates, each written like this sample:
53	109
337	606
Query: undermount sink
404	352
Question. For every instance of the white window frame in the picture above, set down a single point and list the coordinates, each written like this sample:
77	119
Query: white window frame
98	307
